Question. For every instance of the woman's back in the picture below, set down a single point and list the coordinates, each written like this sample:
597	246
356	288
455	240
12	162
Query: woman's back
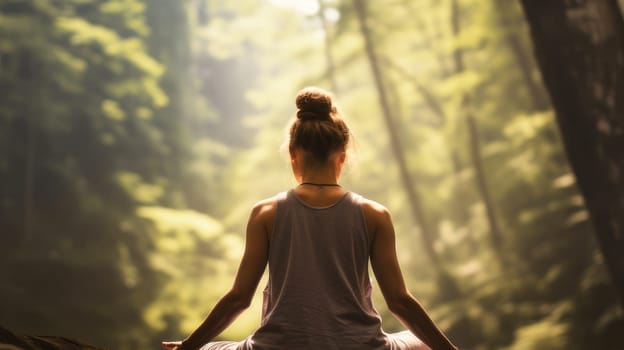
319	291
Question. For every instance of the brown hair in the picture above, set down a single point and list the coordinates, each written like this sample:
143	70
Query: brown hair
318	130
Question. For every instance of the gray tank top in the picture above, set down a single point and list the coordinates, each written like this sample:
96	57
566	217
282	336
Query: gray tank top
319	292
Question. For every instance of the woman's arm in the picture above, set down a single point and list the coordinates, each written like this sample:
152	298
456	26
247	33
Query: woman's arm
388	273
249	273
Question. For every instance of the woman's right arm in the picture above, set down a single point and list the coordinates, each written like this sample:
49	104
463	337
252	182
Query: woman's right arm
388	273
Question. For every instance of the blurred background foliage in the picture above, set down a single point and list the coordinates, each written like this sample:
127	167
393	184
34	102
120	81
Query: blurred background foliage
135	135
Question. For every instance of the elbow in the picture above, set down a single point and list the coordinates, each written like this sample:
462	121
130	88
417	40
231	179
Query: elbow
245	303
399	304
238	301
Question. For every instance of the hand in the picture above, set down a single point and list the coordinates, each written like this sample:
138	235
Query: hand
172	345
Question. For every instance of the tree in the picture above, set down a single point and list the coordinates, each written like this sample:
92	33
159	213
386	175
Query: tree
81	152
580	50
397	149
496	239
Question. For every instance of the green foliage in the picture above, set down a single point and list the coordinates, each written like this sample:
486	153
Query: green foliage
193	254
80	90
541	335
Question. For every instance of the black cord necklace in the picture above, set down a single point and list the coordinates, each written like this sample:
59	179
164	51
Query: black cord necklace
318	184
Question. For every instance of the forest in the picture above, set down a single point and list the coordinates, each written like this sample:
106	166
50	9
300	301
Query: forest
135	136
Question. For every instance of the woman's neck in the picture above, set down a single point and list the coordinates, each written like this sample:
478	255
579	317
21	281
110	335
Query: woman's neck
319	176
312	172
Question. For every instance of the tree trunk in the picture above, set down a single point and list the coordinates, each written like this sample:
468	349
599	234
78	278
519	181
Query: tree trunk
475	148
580	49
408	183
29	178
28	73
538	99
508	20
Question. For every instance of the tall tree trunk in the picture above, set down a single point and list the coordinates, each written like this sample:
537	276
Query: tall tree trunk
408	183
508	20
458	209
29	177
28	73
539	101
580	49
474	145
329	58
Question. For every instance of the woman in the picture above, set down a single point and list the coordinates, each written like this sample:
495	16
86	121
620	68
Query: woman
317	239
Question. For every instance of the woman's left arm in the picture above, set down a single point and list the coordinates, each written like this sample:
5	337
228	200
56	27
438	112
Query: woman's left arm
249	273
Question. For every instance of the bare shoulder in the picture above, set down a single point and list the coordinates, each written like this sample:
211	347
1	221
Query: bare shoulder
265	205
374	210
377	217
264	210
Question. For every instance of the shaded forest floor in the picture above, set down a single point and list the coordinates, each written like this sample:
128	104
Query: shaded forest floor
12	341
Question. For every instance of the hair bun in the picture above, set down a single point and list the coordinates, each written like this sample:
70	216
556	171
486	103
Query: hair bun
314	104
